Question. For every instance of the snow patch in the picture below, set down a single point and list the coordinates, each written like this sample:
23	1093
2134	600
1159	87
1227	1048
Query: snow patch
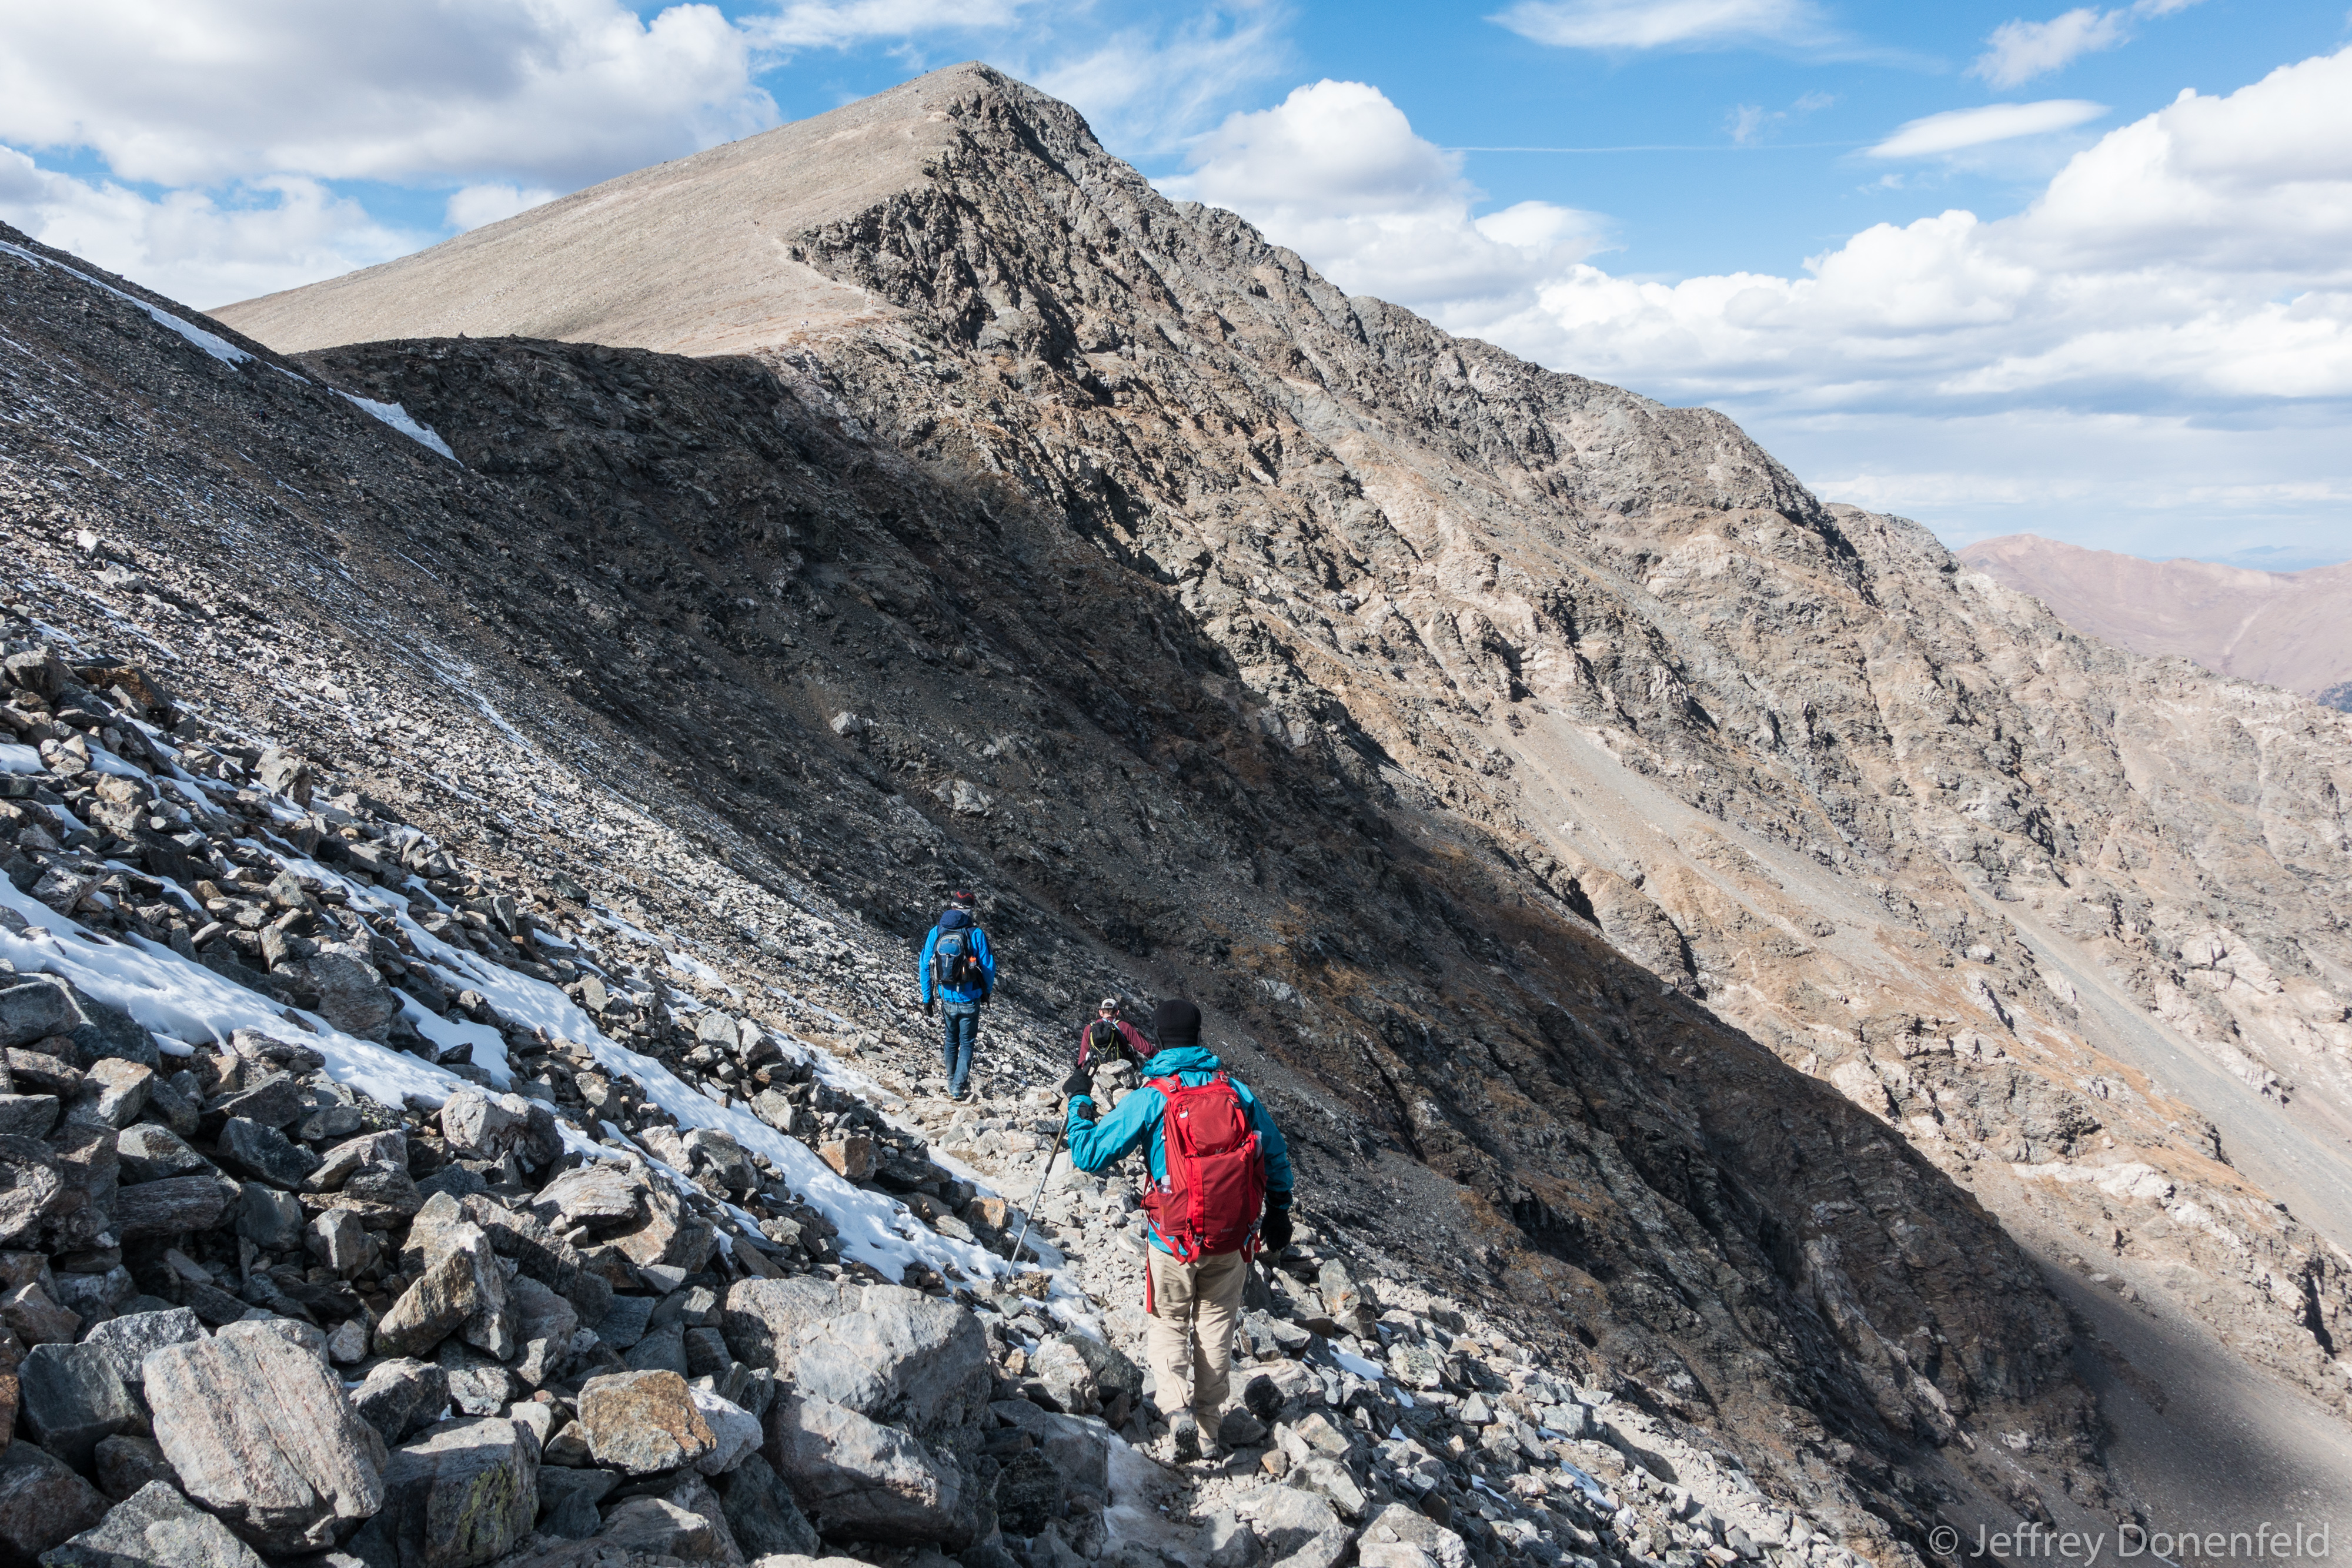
489	1046
212	343
424	435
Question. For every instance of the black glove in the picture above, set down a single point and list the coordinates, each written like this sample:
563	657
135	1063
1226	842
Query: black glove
1275	1230
930	1007
1081	1081
1083	1111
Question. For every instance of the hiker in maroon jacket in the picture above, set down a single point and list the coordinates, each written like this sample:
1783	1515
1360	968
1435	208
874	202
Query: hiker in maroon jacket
1110	1038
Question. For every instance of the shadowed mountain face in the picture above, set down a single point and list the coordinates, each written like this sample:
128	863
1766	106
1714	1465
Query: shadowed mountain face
1715	920
2291	629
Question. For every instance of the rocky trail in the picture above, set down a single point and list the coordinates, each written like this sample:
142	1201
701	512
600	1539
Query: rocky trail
414	1249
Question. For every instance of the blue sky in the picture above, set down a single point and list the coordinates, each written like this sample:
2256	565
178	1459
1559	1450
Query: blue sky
1980	265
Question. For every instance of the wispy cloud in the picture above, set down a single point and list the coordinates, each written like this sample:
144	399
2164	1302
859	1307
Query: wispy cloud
1617	25
1955	128
818	25
2022	50
1751	123
1153	87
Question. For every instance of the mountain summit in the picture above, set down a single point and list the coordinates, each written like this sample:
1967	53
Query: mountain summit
1778	963
696	256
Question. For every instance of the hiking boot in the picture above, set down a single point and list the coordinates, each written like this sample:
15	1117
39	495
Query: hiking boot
1183	1437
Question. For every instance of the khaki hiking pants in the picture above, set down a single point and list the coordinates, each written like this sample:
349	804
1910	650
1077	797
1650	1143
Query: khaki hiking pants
1189	1335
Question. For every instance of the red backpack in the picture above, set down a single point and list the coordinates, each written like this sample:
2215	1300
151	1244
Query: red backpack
1209	1200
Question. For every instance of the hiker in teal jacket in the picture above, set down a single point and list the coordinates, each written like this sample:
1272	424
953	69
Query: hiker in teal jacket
1200	1300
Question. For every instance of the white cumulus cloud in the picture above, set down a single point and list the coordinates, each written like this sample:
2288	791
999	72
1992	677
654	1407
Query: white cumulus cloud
1955	128
474	205
2192	267
1336	173
197	247
195	92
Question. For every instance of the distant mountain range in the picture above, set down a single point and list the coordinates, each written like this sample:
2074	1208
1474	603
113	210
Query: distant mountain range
2291	629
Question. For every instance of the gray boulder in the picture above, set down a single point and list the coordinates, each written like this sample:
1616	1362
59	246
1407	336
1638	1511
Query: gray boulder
27	1116
150	1153
542	1255
1411	1527
1288	1519
155	1527
352	993
462	1494
262	1435
263	1154
762	1513
269	1218
465	1291
657	1528
568	1499
126	1339
763	1318
70	1396
401	1396
900	1357
865	1481
661	1350
35	1184
308	1338
604	1195
1087	1377
36	1008
168	1208
644	1422
42	1502
544	1324
125	1463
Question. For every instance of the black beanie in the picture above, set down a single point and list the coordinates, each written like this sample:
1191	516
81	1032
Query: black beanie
1176	1024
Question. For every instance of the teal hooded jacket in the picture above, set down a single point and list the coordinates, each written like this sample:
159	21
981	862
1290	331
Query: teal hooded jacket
1138	1118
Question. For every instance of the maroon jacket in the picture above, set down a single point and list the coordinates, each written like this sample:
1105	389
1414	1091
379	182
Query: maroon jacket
1135	1040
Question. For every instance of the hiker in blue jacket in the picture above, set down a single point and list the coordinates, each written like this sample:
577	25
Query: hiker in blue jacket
1198	1260
958	974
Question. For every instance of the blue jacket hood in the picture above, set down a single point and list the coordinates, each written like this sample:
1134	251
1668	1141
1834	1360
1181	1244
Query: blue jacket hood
1180	1058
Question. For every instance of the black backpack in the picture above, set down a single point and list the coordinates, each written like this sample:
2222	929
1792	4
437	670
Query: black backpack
955	959
1106	1043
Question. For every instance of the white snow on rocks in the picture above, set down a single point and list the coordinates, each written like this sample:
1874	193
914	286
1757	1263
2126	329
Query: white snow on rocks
400	419
212	343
